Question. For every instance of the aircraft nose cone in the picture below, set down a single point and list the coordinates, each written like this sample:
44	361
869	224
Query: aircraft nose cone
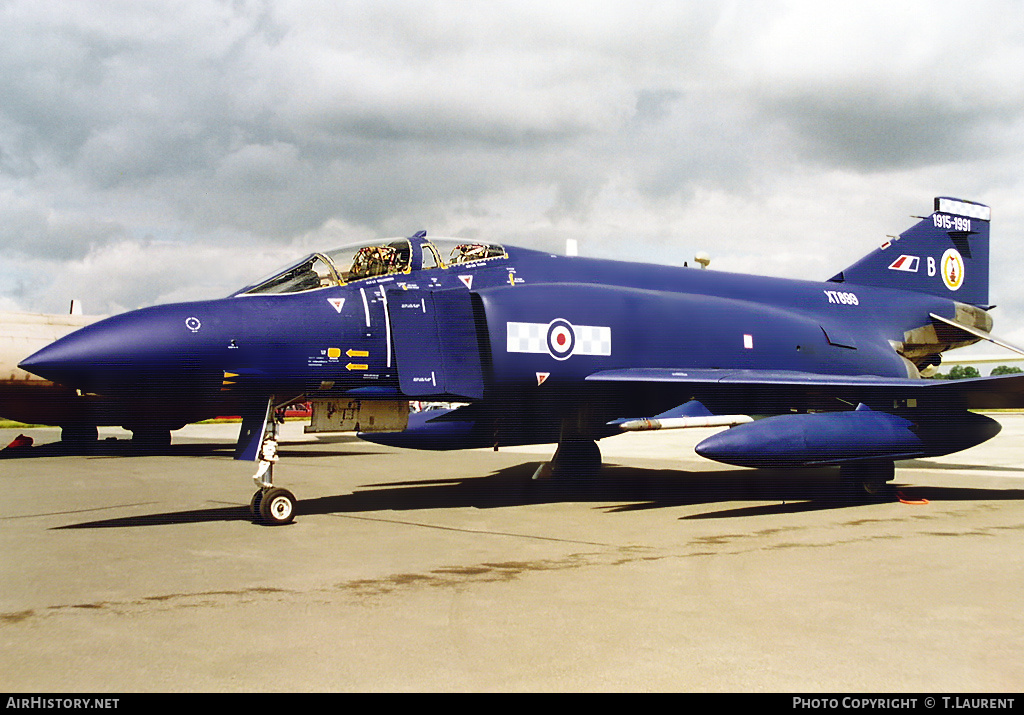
143	347
50	363
78	358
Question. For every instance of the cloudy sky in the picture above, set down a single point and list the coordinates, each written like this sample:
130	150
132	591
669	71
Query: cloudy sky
175	150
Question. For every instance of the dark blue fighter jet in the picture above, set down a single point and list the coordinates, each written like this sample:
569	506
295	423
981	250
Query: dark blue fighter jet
540	348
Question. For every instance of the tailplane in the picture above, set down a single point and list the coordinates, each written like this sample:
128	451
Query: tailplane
946	254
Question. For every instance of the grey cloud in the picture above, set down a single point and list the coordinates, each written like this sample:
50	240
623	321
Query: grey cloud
264	124
32	230
889	87
867	133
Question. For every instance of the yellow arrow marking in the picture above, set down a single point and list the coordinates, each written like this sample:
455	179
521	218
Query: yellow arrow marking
357	353
353	366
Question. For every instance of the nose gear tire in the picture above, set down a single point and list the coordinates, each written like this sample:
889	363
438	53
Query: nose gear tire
277	507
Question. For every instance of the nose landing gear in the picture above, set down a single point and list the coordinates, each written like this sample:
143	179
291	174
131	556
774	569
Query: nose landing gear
270	505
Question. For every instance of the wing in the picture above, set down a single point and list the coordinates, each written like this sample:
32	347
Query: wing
766	391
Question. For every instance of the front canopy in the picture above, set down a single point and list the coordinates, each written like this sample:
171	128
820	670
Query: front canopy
360	261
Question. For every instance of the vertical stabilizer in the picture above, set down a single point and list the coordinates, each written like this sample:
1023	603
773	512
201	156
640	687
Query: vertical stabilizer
946	254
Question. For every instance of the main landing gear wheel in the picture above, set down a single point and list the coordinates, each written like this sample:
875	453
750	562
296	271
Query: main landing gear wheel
868	481
149	441
577	458
79	434
276	506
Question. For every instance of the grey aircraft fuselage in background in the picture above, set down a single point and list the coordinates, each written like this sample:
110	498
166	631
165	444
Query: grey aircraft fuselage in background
539	348
25	397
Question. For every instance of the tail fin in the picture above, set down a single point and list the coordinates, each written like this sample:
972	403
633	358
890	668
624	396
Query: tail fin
946	254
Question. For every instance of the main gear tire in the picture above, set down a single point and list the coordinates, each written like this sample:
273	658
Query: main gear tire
867	482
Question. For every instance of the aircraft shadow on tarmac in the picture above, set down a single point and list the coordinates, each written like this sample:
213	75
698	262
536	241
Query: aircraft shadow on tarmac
127	448
616	489
930	464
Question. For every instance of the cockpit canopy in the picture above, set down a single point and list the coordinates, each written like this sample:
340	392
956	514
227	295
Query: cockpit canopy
370	260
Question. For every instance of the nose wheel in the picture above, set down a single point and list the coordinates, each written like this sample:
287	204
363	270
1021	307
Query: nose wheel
274	506
270	505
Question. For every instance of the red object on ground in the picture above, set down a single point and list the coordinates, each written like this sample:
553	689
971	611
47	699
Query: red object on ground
20	442
909	500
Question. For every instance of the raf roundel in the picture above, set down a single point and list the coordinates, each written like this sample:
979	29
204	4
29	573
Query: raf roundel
561	339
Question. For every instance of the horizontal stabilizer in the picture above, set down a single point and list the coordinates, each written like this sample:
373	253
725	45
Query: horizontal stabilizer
978	333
